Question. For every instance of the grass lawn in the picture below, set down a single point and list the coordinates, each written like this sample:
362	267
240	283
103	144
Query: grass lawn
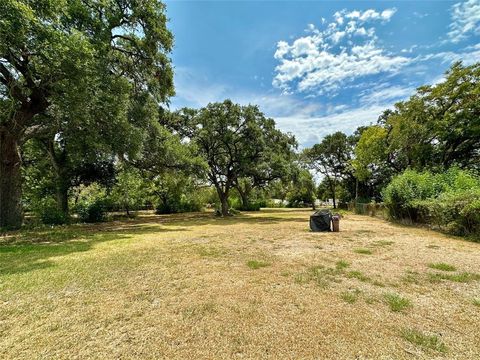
259	285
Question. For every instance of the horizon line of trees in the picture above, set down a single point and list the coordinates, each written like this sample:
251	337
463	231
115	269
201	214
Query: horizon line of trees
85	126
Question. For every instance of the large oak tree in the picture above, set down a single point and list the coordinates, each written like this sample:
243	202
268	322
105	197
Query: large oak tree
53	50
236	142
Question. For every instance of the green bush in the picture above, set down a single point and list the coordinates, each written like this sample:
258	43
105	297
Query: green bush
92	212
179	204
457	212
49	213
401	195
450	200
251	206
91	203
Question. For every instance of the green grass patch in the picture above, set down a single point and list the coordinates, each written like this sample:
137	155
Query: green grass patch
257	264
350	296
321	275
425	341
476	302
342	264
363	251
380	243
442	266
396	302
355	274
411	277
464	277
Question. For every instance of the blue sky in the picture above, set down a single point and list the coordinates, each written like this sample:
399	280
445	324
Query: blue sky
317	67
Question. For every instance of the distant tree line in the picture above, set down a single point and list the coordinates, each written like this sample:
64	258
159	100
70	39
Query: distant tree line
85	128
435	131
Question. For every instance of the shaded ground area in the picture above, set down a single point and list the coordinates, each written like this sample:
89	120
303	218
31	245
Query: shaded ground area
260	285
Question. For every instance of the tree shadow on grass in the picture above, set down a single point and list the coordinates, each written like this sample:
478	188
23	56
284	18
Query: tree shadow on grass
30	250
208	218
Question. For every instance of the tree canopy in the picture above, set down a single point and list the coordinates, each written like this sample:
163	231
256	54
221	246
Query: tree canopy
61	64
236	142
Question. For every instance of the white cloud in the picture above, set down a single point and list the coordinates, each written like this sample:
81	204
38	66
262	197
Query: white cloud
388	13
465	20
310	130
282	49
468	55
370	14
195	90
325	71
386	92
323	60
338	17
337	36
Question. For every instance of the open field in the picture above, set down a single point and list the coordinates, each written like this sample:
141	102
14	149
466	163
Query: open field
259	285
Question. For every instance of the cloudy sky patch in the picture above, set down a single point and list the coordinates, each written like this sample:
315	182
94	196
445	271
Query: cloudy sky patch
317	67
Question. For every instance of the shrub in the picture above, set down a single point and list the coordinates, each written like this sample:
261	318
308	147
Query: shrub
179	204
254	203
49	213
92	212
450	200
251	206
456	212
404	190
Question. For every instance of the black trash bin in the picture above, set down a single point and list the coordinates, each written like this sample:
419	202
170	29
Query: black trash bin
321	221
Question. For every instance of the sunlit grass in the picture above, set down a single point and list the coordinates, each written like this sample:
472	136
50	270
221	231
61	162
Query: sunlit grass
425	341
396	302
183	277
442	266
363	251
257	264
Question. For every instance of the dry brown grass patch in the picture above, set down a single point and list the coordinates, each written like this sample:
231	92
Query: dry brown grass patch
181	287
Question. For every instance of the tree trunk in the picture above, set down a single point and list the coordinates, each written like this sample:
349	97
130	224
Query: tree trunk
244	197
62	195
11	213
223	196
62	183
356	190
334	186
225	206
